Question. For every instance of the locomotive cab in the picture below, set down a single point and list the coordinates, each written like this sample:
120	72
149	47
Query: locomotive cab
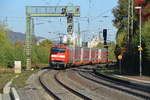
58	56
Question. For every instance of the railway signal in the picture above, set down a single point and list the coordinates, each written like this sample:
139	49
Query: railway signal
105	36
120	58
63	11
70	23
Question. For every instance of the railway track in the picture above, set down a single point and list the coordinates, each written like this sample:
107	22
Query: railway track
57	89
124	86
94	90
80	84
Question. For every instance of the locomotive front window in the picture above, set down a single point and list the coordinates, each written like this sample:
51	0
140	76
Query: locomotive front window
58	50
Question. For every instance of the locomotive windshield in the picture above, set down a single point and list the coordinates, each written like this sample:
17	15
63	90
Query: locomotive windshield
58	50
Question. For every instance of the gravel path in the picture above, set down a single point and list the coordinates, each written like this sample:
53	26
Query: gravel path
34	90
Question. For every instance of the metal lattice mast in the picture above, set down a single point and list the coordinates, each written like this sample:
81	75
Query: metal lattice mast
28	42
79	34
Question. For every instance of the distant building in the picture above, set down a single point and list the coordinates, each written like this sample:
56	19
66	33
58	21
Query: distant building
84	44
94	41
65	39
74	38
40	41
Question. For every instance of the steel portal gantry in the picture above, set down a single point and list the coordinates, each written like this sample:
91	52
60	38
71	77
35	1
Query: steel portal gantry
47	11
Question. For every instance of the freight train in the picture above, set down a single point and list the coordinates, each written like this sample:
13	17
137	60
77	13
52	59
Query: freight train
66	56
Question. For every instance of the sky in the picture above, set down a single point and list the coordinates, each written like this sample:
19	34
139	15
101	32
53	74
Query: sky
96	15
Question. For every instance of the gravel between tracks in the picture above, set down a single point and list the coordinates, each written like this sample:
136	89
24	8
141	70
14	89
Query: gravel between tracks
76	87
123	85
96	91
57	89
34	90
120	88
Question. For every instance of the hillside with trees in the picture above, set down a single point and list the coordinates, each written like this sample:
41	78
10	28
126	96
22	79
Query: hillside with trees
14	51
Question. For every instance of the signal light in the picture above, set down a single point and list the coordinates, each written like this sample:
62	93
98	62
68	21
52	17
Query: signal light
69	29
105	35
70	19
78	9
63	11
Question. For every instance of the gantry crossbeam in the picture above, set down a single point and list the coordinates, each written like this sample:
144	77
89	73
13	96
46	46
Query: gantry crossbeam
52	11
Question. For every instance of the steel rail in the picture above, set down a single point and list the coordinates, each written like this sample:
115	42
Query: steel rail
146	97
123	82
55	97
71	90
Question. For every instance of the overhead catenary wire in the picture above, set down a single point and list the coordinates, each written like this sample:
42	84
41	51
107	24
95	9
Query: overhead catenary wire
83	19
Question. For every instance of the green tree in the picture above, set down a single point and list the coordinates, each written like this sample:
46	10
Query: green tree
19	52
40	53
46	43
100	45
121	23
146	39
120	14
43	54
146	48
129	50
111	49
6	54
3	34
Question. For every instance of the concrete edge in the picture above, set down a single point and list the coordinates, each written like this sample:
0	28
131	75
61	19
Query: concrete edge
6	88
14	94
0	96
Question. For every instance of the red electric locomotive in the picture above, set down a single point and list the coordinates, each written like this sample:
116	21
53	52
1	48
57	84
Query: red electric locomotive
63	56
58	56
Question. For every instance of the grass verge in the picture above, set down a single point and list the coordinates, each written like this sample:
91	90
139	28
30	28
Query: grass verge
108	71
20	81
5	76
